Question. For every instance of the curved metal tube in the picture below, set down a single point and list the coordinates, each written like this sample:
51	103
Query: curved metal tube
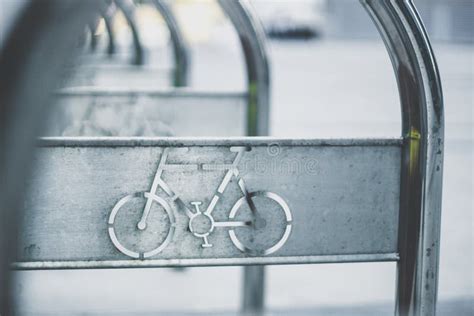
180	47
93	42
422	161
31	58
128	9
252	39
107	13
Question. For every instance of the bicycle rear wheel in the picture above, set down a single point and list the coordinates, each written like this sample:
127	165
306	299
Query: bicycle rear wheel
245	246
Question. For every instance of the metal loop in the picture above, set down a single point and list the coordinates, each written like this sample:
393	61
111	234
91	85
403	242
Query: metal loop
421	101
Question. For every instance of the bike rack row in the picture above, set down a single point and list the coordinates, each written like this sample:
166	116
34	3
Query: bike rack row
252	104
393	198
94	74
107	11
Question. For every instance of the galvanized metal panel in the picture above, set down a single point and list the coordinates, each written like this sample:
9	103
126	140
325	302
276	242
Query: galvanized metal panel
147	112
339	199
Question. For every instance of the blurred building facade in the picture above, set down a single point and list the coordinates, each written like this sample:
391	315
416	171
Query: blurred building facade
445	20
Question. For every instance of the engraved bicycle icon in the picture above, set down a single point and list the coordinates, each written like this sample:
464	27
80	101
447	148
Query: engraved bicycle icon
202	223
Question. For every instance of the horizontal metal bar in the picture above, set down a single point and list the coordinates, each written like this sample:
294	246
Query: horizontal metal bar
301	200
116	75
211	141
151	92
154	263
147	112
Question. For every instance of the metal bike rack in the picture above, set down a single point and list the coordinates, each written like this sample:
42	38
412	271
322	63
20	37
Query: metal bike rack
107	12
393	200
113	74
179	107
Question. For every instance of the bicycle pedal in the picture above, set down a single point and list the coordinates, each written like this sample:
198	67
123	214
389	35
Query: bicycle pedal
206	245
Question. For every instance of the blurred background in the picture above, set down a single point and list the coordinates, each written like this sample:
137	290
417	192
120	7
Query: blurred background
330	77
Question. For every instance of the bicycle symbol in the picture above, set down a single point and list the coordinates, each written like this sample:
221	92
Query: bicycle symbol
201	224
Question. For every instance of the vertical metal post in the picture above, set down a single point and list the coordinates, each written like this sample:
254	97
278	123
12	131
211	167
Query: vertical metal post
107	12
93	40
41	38
422	161
253	290
180	47
128	9
252	39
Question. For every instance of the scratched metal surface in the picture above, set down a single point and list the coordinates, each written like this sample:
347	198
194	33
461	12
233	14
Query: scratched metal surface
146	112
342	196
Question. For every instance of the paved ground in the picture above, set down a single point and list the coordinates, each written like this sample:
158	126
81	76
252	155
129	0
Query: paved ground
320	89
